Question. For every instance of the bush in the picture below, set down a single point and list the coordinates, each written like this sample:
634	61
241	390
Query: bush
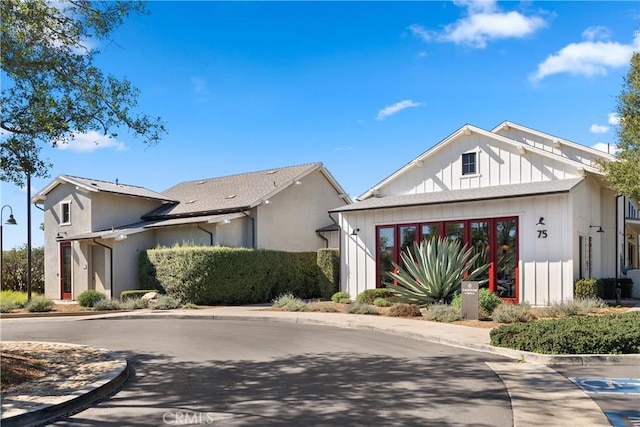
381	302
511	313
135	294
189	306
206	275
586	288
608	287
288	302
90	298
611	334
328	261
7	306
106	305
404	310
576	307
134	304
487	300
341	297
360	308
442	313
165	302
369	295
19	299
39	304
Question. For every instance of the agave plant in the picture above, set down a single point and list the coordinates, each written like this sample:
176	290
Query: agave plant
433	270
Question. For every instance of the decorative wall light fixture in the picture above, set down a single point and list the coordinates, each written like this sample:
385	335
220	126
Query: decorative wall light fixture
540	222
599	228
355	231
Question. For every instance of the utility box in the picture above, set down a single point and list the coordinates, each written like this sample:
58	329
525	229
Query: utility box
470	300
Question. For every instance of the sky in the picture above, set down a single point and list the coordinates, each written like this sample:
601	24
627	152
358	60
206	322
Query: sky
363	87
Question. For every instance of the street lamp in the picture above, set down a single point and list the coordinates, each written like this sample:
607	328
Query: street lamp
10	221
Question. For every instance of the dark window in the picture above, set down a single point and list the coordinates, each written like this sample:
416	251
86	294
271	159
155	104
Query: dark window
65	213
469	164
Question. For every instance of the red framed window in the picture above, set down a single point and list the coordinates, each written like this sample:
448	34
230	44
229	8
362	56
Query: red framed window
495	239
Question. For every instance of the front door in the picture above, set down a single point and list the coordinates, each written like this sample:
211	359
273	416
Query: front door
65	270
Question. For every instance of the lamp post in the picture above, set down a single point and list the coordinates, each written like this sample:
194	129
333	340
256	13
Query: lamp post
10	221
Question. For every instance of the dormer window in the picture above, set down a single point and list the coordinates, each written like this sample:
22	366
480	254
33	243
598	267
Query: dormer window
469	166
65	213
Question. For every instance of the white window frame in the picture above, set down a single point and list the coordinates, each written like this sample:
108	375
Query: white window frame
62	208
476	163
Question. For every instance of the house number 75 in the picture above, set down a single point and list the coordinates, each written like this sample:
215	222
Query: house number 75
542	234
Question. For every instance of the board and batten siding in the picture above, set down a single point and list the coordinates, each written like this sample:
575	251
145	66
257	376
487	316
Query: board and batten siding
546	270
497	164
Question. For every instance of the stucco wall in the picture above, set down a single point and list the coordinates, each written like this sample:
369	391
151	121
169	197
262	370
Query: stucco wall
288	222
113	210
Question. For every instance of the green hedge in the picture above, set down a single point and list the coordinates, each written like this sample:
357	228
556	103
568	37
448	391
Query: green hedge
608	287
220	275
587	288
328	261
613	334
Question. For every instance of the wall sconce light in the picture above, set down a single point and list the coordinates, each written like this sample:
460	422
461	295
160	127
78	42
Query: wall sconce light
540	222
355	231
599	228
628	236
226	221
60	236
121	237
266	202
297	183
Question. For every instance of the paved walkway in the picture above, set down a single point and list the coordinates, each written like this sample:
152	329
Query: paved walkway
528	379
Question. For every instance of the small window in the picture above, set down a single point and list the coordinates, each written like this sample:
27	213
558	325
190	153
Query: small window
65	213
469	164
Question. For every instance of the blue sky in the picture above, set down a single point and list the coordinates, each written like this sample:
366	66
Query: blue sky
363	87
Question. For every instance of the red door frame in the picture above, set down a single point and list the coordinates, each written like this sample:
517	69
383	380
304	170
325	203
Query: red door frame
467	237
65	295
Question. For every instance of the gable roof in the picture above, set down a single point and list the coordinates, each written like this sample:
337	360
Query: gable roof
98	186
466	130
554	139
465	195
234	193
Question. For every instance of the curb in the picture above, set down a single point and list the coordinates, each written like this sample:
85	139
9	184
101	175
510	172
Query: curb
73	403
517	355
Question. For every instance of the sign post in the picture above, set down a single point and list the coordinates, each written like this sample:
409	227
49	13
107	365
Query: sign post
470	300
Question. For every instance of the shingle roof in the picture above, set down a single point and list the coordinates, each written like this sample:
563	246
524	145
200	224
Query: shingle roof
96	185
466	195
231	193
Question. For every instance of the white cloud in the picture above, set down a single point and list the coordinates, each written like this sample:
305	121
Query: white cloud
597	33
91	141
598	129
614	119
396	108
588	58
484	23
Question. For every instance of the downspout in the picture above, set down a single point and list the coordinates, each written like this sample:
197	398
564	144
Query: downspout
617	254
208	232
326	241
110	265
253	229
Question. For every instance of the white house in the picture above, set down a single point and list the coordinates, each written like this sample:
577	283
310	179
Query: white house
534	205
94	229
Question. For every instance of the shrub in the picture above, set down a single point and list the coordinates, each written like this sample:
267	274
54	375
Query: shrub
586	288
487	300
19	299
135	294
381	302
288	302
442	313
360	308
106	305
7	306
404	310
341	297
189	306
14	270
165	302
134	304
433	270
369	295
320	306
221	275
39	304
611	334
511	313
328	261
609	285
90	298
577	307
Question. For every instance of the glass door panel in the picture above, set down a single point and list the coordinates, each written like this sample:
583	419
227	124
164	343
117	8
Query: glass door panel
407	238
455	231
506	259
386	254
429	231
480	245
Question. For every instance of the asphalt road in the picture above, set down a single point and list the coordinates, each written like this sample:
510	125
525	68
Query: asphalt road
249	373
